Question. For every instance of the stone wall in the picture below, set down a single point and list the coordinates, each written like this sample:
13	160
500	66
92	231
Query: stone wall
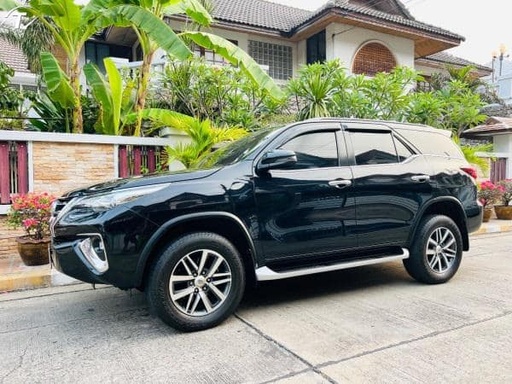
8	245
60	167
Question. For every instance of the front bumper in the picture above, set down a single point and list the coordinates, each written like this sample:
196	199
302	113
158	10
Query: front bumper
67	258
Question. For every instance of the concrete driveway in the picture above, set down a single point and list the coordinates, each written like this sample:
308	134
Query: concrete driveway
366	325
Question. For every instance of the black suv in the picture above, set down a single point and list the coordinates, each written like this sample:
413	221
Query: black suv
315	196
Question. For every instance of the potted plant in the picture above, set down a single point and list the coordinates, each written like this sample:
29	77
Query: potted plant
504	211
32	212
488	194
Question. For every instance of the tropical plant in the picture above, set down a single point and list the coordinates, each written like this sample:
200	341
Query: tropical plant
465	75
390	93
315	87
472	153
324	89
203	135
225	95
10	98
114	97
71	26
461	107
32	212
425	108
53	117
146	17
33	39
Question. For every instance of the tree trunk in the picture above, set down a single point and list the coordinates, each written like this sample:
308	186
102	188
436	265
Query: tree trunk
142	91
74	78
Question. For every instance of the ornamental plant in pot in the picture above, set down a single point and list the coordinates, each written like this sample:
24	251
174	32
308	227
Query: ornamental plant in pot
32	212
504	211
488	194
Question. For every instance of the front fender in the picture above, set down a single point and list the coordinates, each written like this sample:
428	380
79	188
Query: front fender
157	238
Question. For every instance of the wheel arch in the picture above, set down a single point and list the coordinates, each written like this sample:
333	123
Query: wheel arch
446	206
222	223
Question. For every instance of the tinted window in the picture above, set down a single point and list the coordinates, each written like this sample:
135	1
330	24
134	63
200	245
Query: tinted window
402	151
373	148
431	143
314	150
237	150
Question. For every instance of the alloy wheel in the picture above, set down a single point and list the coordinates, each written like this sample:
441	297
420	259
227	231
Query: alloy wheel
441	250
200	282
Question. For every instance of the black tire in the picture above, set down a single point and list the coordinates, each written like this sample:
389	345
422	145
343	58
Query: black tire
200	296
436	252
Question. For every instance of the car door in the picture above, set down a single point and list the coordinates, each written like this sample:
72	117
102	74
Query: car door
390	181
307	209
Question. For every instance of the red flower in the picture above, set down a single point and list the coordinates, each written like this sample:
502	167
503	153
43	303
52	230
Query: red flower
32	212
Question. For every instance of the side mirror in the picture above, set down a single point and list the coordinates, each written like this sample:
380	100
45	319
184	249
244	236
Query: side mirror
277	159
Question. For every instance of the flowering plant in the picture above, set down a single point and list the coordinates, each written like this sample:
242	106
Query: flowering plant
506	191
489	193
32	212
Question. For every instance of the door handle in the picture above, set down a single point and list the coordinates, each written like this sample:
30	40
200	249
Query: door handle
420	178
340	183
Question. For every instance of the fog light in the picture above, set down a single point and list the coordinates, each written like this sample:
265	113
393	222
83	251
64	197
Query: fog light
93	250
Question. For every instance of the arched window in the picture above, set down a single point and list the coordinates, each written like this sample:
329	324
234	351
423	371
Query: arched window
373	58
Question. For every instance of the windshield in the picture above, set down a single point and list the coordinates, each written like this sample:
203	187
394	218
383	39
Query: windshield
237	150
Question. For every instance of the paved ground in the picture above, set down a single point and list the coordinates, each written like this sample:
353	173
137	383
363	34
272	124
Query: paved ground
15	276
372	324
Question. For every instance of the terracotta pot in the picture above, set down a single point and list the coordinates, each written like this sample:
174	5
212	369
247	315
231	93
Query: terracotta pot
34	252
503	212
487	214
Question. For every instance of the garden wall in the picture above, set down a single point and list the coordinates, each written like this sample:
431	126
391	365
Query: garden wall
57	162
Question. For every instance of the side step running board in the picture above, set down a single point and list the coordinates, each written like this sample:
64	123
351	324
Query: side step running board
265	273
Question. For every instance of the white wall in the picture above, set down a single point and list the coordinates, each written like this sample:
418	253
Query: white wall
343	42
243	40
503	148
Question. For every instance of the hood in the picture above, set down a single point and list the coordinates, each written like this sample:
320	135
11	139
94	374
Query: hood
140	181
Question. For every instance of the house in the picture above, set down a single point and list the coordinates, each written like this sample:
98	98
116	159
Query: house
14	57
367	36
499	130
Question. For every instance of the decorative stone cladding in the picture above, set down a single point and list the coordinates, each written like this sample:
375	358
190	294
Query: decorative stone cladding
8	245
60	167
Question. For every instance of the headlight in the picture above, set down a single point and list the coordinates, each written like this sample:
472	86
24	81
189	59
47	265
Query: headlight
103	202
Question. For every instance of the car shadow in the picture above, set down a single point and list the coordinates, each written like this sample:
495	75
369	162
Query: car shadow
337	282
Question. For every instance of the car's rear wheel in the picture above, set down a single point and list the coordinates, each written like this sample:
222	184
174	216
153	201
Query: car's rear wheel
197	282
436	252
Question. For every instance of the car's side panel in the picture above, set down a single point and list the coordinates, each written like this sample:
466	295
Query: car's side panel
300	213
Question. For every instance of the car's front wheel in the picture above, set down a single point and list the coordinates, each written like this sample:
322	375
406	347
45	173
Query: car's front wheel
197	282
436	252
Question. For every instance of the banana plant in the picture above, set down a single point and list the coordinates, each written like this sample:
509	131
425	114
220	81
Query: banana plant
144	16
71	26
116	101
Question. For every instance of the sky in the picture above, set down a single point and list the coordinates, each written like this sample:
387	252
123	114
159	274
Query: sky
486	26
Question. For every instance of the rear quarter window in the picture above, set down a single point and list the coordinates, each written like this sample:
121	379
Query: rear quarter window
432	143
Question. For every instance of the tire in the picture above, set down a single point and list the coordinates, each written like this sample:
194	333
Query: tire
197	282
436	252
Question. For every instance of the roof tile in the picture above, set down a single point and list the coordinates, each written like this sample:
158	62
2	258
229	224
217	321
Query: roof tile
13	57
261	13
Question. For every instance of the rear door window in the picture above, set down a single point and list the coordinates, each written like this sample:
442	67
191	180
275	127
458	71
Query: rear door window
377	147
